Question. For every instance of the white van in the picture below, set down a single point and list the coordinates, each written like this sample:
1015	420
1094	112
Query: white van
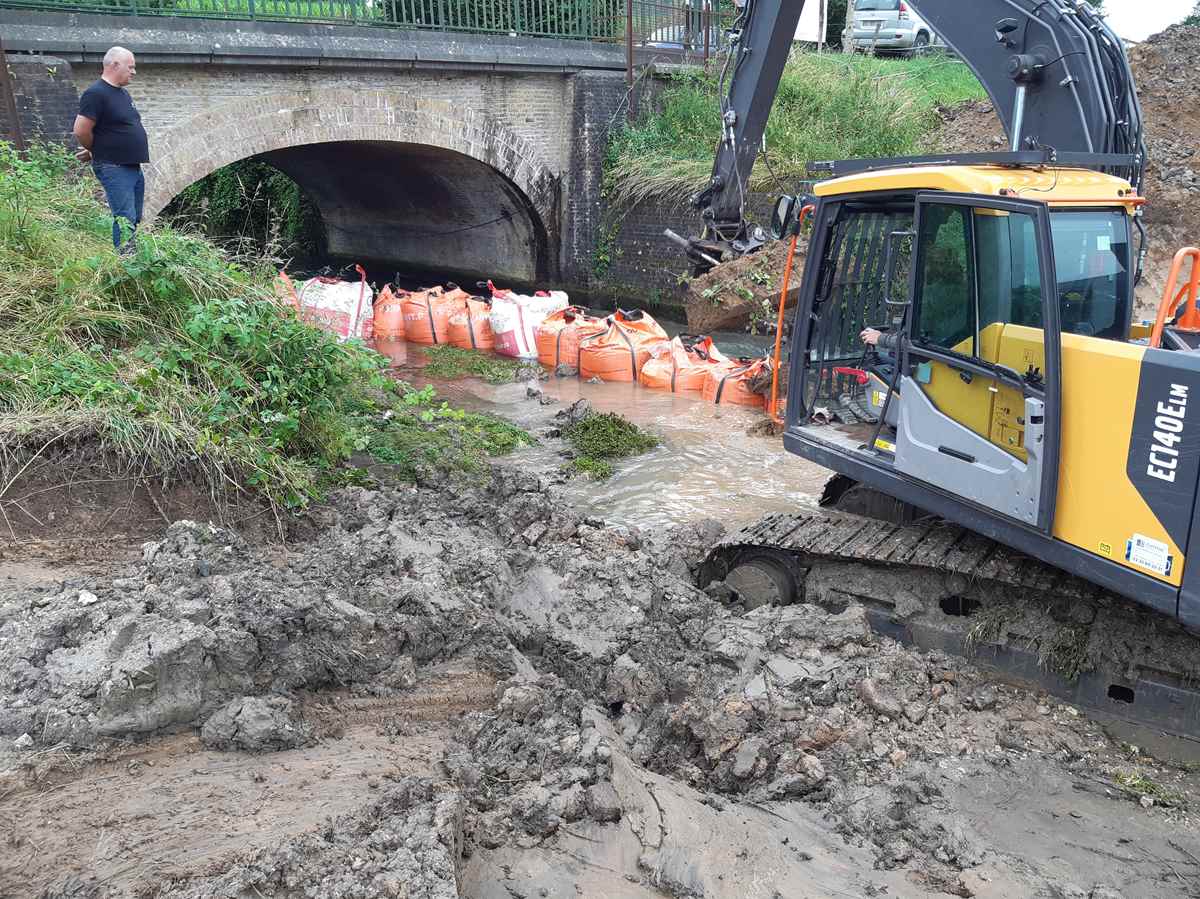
891	26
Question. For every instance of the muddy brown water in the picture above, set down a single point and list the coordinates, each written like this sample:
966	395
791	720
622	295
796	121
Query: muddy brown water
707	464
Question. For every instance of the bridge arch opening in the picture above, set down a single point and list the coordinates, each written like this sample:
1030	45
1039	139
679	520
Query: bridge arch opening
252	206
420	208
398	178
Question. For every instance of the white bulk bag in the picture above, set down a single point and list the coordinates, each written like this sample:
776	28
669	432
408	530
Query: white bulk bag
515	316
341	307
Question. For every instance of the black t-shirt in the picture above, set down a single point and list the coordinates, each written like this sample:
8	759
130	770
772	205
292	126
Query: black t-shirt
118	135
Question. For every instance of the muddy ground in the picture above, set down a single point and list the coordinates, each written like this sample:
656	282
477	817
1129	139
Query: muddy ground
467	688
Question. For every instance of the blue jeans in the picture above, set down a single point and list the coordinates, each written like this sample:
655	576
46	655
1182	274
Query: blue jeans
125	187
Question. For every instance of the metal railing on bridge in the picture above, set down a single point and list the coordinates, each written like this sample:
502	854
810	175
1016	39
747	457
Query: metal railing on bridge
681	27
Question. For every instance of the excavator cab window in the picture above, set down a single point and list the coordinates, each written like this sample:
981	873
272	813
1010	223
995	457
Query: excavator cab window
1093	261
946	280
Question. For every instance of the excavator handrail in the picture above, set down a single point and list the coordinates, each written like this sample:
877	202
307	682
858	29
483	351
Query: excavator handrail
773	410
1190	319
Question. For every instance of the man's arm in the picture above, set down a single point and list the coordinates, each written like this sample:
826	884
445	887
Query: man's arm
83	133
880	339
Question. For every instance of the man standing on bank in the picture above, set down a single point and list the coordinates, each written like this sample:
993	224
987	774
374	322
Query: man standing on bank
110	131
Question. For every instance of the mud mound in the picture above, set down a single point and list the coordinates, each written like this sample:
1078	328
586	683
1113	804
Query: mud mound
744	292
642	738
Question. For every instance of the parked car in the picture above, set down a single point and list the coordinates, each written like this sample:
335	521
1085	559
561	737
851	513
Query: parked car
891	26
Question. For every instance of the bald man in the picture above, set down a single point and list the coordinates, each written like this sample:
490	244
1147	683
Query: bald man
110	132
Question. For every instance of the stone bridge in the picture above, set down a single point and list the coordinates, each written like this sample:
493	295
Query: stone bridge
463	154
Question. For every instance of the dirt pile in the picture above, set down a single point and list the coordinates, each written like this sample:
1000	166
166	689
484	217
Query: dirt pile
1164	68
744	292
1164	72
624	734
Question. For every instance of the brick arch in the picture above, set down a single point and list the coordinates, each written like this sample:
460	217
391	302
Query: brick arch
225	134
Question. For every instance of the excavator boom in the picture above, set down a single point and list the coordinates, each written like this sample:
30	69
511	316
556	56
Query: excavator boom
1057	74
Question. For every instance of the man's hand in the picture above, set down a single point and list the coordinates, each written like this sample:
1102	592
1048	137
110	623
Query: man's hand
870	336
83	131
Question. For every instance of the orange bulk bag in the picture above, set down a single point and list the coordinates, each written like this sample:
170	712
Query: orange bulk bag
389	315
728	384
470	324
453	293
285	292
681	364
619	352
558	336
427	316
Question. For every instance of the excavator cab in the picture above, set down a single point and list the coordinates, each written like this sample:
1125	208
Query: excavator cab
1015	395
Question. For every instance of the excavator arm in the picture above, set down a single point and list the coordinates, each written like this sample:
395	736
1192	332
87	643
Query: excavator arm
1057	74
761	39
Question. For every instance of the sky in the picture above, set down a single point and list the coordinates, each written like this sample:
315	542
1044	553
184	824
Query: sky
1138	19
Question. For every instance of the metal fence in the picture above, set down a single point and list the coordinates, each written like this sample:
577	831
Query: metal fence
680	26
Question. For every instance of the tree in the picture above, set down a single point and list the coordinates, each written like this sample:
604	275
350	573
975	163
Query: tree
1194	18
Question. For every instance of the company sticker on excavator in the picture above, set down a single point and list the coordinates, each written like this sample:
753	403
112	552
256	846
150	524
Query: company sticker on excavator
1153	555
877	397
886	445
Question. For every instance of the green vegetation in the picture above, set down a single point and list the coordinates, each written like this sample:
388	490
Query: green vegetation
450	362
599	438
428	435
179	358
597	19
253	206
829	106
1138	783
1194	18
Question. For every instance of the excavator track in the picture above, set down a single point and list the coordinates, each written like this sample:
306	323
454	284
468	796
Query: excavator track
937	586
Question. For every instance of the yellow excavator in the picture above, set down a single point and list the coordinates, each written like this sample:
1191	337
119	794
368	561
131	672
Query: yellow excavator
1016	458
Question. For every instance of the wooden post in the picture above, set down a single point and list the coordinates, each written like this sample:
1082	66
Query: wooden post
629	43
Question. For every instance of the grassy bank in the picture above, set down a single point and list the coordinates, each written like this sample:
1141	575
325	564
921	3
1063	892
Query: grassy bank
180	357
829	106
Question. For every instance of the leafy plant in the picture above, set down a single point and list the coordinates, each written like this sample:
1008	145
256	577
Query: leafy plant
254	206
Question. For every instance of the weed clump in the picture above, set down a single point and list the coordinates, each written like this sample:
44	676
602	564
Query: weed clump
451	362
599	438
422	434
180	356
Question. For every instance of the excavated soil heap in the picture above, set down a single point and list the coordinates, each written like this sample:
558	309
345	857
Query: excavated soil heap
468	689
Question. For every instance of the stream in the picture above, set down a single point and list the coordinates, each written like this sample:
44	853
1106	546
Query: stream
707	465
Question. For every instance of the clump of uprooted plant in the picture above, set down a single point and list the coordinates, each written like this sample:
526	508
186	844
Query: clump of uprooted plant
601	438
181	357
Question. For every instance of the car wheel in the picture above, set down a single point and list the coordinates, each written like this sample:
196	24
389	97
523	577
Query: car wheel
920	45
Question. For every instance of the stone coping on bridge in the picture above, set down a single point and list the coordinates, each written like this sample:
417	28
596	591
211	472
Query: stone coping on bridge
84	37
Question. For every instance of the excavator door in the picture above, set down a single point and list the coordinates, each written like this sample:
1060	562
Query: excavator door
979	389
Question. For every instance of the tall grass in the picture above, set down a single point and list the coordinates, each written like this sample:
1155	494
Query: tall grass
828	106
178	356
